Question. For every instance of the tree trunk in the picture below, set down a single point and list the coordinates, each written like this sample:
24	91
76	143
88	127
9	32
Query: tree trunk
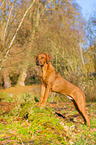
7	81
22	77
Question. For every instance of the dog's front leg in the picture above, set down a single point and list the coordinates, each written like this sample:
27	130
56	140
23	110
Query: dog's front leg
46	95
42	93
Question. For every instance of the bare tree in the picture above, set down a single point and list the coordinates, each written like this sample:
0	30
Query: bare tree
50	26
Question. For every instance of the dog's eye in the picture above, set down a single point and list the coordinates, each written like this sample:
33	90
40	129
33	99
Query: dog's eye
42	57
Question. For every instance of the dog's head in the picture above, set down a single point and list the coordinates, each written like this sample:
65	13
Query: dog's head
41	59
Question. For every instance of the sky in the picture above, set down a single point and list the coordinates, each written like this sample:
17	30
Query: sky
87	6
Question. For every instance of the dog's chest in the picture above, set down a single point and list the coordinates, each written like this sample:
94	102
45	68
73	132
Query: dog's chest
44	77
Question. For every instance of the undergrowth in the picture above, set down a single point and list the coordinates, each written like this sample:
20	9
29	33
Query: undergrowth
27	123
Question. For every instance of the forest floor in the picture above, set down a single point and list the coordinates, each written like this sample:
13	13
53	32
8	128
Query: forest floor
23	122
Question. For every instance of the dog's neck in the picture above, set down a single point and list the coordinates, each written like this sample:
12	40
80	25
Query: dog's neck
47	67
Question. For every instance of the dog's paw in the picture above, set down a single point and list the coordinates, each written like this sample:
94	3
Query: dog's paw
38	104
42	106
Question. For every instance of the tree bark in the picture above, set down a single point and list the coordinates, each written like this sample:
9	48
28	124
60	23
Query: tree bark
7	81
22	77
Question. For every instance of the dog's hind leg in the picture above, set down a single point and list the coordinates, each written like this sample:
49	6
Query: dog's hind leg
80	107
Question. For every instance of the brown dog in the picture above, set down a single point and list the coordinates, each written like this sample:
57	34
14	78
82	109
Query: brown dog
53	81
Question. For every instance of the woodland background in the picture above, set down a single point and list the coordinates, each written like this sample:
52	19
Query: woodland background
57	27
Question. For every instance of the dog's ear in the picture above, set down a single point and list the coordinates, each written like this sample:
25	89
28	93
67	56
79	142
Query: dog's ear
48	58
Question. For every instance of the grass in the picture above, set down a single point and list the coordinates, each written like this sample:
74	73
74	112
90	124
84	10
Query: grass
27	123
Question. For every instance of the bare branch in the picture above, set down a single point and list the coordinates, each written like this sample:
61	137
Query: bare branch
2	4
16	33
7	23
81	54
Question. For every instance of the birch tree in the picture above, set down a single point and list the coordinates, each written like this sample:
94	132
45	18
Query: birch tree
5	21
13	38
10	21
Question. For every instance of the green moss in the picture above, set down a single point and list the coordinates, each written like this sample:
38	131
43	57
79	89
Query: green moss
42	126
4	95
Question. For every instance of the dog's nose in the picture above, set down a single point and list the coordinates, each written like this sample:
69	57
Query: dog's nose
37	62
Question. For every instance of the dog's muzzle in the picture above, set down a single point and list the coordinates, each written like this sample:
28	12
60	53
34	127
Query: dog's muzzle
37	62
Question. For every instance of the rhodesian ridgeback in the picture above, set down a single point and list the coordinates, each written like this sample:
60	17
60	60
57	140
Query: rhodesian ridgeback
52	81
